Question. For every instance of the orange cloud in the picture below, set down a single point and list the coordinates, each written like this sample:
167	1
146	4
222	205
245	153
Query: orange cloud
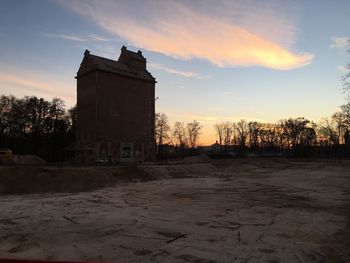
210	119
180	31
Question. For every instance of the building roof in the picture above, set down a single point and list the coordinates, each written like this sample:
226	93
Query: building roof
134	55
94	62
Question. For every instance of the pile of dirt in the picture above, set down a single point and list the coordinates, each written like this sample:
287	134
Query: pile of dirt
27	159
203	158
180	170
44	178
47	179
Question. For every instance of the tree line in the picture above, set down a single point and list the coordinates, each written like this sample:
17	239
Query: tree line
32	125
286	133
181	137
291	133
294	135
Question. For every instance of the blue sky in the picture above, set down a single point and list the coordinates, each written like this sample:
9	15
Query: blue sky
214	60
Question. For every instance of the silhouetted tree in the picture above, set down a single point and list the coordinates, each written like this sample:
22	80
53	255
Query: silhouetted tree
346	75
340	121
270	136
228	132
35	125
219	129
72	119
327	133
193	132
179	134
162	129
254	129
241	130
297	131
345	110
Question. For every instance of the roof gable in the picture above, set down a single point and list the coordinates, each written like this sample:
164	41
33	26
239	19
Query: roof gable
129	64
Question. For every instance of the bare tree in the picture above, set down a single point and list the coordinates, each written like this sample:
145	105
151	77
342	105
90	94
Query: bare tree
307	136
219	129
241	132
345	110
228	132
72	116
193	132
253	129
340	120
179	134
327	133
346	76
162	129
295	130
57	113
269	135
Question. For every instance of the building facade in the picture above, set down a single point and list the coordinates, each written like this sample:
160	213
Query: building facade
115	109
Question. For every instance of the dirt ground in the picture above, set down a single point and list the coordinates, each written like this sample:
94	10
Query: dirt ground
253	210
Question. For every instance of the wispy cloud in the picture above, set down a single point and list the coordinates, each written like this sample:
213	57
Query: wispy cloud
66	37
183	31
340	42
37	84
73	37
187	74
344	69
212	119
96	37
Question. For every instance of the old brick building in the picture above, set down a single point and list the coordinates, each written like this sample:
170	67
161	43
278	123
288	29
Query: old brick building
115	105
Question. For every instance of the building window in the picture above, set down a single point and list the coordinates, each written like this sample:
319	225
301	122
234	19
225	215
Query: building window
126	150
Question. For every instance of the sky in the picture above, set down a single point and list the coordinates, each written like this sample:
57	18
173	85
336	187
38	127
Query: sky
214	61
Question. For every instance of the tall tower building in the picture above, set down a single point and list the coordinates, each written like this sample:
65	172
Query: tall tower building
116	108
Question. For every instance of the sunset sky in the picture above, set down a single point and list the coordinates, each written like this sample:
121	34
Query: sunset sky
214	61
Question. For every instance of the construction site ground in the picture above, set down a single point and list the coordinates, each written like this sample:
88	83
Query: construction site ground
244	210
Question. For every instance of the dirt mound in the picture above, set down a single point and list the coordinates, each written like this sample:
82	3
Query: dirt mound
203	158
47	179
27	159
180	170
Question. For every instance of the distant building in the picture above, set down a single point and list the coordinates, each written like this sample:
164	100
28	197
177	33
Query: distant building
115	108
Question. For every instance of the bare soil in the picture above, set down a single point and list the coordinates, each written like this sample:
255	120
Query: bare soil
249	210
24	179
